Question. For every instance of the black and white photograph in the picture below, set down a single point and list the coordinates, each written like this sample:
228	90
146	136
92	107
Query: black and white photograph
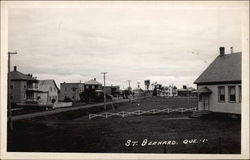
131	79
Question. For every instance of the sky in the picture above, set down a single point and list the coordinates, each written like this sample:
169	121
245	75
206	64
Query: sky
167	45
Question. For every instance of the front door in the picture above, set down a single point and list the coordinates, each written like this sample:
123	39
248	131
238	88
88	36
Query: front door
205	102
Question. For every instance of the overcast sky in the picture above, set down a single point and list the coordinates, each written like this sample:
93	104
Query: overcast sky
165	44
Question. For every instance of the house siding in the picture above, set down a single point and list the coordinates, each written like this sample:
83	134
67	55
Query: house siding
227	106
66	90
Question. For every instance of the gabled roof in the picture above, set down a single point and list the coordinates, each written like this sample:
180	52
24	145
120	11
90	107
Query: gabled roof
16	75
226	68
45	84
92	82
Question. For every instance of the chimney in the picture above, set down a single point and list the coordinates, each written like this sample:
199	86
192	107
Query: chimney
14	68
94	79
232	49
222	51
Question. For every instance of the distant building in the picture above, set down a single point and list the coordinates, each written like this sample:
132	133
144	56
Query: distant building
24	88
92	85
219	86
70	91
51	88
113	90
138	92
169	91
186	91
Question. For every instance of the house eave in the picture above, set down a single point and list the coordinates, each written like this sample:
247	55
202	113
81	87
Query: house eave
218	82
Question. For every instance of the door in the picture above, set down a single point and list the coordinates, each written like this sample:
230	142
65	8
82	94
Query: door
205	102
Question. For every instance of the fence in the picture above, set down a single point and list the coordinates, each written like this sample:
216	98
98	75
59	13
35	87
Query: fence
141	112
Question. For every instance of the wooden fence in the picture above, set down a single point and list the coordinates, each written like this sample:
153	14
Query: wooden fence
141	112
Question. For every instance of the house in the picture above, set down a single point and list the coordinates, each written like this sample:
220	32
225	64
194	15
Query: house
70	91
92	85
24	88
186	91
92	90
169	91
113	90
51	88
138	92
219	86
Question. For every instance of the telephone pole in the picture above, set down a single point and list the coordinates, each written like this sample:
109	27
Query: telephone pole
9	93
104	89
129	86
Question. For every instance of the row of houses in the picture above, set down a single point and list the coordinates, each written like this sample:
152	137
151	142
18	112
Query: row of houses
27	89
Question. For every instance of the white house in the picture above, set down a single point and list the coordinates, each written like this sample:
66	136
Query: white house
52	90
219	86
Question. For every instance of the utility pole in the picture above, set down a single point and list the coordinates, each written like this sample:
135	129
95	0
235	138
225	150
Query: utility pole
104	89
9	93
129	90
129	85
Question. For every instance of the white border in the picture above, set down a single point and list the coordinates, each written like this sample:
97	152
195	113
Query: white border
244	5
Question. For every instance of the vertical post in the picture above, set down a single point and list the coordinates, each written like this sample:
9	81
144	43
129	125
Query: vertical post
129	91
104	89
9	93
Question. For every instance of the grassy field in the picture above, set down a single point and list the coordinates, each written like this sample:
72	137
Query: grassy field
67	132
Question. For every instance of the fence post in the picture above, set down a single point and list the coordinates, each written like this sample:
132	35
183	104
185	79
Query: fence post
122	114
106	115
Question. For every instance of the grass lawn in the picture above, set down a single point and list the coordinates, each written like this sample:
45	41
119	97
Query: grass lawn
59	133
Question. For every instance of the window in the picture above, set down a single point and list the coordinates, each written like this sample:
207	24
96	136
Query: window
239	93
11	97
51	89
24	86
87	87
55	89
12	86
231	93
93	87
221	93
65	89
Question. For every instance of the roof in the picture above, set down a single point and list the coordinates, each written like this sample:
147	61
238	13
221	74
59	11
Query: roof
226	68
16	75
45	84
92	82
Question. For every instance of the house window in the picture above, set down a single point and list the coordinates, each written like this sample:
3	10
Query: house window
93	87
51	89
24	86
87	87
11	97
239	93
231	93
54	88
65	89
221	93
11	86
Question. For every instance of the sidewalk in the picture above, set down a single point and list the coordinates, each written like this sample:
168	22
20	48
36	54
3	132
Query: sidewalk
50	112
